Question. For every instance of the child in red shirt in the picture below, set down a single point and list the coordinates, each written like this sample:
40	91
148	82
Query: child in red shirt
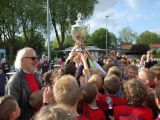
135	93
112	85
66	93
90	108
101	99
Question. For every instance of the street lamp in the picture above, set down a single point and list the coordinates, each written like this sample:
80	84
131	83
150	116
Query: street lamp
48	30
106	35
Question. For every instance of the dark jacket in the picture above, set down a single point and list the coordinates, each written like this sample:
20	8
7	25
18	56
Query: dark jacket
2	84
19	88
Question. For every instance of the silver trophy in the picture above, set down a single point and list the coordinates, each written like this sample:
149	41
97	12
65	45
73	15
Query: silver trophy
79	32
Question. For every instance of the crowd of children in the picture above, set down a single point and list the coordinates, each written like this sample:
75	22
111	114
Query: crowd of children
112	88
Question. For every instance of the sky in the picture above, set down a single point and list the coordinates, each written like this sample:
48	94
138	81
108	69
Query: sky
139	15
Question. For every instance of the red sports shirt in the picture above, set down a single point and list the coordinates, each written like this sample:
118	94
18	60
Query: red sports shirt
82	118
126	112
93	114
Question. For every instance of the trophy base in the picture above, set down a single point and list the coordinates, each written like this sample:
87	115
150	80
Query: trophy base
79	50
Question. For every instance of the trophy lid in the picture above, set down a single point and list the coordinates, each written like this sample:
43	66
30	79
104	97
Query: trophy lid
79	22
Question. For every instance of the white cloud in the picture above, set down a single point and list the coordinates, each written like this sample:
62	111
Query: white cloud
99	19
115	21
136	3
116	17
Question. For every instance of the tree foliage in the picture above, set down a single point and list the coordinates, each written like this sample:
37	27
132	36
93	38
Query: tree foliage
8	24
32	18
127	35
64	13
148	38
68	43
18	18
98	38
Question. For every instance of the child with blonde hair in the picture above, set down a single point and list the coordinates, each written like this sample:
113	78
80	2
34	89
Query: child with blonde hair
116	71
97	79
123	66
147	77
53	113
156	70
132	72
66	93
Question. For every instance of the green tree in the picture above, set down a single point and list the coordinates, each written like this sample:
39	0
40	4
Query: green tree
54	44
64	12
112	40
32	18
8	24
127	35
148	38
98	38
22	16
38	42
68	41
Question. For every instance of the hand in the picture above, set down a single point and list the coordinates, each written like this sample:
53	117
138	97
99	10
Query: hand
90	56
84	56
47	95
74	48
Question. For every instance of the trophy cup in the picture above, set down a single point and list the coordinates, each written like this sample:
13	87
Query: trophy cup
79	32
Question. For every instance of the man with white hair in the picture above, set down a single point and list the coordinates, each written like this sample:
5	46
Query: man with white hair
24	81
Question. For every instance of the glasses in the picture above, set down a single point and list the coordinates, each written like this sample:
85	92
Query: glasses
32	58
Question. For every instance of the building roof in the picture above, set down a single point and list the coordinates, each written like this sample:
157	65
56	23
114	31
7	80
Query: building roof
88	48
154	46
126	46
